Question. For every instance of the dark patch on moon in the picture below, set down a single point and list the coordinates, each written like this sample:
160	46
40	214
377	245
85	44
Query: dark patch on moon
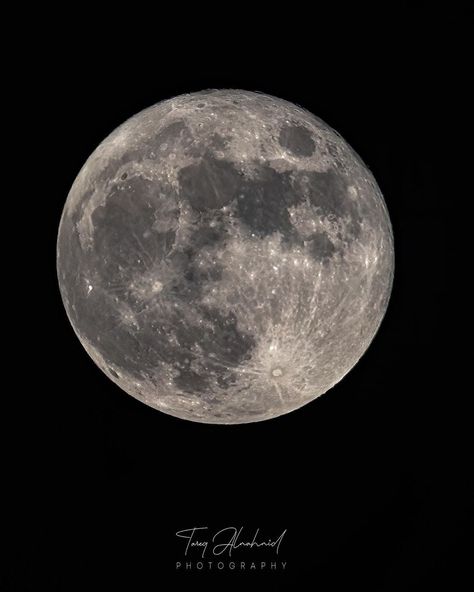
206	236
210	183
123	230
218	142
297	139
176	137
190	381
102	325
321	247
190	275
327	191
264	201
108	178
195	270
139	349
223	346
170	133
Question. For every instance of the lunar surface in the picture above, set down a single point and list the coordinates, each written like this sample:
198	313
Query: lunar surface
225	256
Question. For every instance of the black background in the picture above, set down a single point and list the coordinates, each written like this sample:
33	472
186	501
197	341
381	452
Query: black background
371	480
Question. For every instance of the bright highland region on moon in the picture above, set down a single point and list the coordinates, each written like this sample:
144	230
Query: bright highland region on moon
225	256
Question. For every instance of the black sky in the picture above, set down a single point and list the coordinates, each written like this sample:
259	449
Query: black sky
372	480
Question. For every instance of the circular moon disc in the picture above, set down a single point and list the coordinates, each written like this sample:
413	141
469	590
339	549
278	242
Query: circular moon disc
225	256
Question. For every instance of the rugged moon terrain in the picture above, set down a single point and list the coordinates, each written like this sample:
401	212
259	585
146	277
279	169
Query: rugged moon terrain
225	256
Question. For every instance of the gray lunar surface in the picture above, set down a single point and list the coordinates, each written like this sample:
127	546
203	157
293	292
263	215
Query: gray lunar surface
225	256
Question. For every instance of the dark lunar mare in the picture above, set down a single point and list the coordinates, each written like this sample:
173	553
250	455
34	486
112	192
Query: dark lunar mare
210	183
264	200
222	344
124	249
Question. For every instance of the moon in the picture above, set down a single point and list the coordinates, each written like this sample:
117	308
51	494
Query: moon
225	256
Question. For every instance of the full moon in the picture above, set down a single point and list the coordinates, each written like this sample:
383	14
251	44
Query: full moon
225	256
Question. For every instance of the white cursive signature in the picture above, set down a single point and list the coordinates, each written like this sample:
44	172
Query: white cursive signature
226	540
